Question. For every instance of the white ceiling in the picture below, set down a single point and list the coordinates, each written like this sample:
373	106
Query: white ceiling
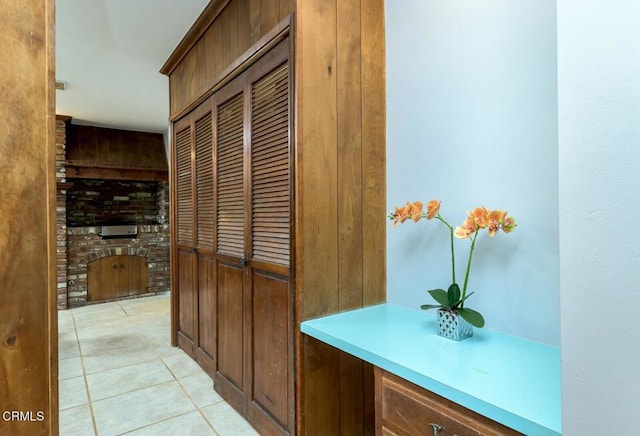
110	51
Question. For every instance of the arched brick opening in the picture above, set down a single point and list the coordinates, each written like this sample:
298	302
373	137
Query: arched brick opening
85	245
115	251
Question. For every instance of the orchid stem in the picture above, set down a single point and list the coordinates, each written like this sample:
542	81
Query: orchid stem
466	275
453	256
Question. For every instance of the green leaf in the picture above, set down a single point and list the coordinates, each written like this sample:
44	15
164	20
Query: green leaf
472	317
468	295
440	296
431	306
453	294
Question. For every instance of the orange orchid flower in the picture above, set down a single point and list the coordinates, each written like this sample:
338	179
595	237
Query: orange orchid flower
415	211
400	215
433	209
495	218
480	216
467	229
508	224
396	216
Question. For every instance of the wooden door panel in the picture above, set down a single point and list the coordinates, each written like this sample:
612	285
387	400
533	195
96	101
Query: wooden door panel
111	280
122	274
138	271
186	298
117	277
271	344
230	354
184	208
206	313
104	279
94	278
270	168
230	231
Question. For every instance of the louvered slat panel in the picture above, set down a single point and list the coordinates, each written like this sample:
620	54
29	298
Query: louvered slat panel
270	183
230	176
204	181
184	188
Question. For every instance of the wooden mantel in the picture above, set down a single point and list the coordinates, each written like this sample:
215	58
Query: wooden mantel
112	154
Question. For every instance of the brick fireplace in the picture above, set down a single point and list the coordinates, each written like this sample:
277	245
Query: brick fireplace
86	204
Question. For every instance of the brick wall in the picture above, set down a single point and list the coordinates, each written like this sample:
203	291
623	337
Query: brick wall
97	202
61	211
85	246
86	204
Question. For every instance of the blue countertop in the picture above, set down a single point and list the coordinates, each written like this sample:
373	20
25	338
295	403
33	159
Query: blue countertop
508	379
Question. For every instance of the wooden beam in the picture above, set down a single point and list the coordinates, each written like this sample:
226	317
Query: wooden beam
28	292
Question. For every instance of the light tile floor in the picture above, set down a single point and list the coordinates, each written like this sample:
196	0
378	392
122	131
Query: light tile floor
118	375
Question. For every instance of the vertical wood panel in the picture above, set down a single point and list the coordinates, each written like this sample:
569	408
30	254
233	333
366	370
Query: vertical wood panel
219	48
368	398
316	211
286	7
189	73
254	20
268	15
230	324
187	297
200	70
28	316
271	318
373	152
94	281
350	207
209	64
176	92
206	313
316	89
234	28
244	25
225	23
351	395
321	389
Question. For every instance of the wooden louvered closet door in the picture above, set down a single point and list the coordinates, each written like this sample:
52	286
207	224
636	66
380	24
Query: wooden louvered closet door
270	212
184	229
230	374
193	196
205	235
254	354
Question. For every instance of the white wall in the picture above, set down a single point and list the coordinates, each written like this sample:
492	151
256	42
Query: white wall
472	120
599	162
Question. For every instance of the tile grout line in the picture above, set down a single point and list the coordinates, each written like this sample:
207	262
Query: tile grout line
132	315
84	377
183	388
197	408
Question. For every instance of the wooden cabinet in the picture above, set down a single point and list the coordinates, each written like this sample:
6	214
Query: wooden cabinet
403	408
117	276
233	196
278	203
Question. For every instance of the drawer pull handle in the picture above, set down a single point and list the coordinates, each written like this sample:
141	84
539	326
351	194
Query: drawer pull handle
436	428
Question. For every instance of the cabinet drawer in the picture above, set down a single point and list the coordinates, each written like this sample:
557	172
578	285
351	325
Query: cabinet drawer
403	408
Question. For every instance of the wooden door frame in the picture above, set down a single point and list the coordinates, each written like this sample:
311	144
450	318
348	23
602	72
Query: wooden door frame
28	292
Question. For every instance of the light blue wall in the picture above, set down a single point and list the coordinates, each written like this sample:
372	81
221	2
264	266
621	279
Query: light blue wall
472	120
599	191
